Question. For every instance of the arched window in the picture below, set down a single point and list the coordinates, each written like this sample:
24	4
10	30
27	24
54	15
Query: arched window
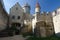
18	17
13	17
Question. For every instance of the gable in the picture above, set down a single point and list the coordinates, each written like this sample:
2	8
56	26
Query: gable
17	8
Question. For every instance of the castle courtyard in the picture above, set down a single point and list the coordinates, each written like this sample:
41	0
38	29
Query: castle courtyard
17	37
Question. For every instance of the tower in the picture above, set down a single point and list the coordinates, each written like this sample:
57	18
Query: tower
37	9
36	17
37	12
26	8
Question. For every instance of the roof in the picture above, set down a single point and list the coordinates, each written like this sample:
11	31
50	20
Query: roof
37	5
26	5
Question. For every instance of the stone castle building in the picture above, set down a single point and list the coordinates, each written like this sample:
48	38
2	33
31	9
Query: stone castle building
3	16
38	21
56	21
41	24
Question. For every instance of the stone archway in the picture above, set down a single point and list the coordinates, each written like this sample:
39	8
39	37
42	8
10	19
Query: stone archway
16	24
40	29
16	27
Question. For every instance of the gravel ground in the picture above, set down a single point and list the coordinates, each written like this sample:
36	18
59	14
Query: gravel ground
17	37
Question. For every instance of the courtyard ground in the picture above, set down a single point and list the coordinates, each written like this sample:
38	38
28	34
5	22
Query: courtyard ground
16	37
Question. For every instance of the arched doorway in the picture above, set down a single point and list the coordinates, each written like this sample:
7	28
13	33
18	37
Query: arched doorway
16	24
16	27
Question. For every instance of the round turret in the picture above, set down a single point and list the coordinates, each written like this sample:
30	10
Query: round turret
26	8
37	9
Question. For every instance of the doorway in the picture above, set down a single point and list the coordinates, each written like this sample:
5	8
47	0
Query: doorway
16	27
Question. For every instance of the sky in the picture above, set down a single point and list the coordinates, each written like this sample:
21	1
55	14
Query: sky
46	5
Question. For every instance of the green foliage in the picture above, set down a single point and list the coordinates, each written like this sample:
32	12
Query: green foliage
46	38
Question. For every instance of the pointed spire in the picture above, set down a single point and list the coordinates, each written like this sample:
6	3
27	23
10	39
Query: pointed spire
37	4
37	9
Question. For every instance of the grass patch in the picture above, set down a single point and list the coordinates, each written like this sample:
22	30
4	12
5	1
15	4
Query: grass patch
54	37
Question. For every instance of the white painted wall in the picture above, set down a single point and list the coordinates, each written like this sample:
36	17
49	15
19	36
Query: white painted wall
34	20
56	21
37	9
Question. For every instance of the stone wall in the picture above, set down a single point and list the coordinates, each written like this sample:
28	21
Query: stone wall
3	17
27	28
44	29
